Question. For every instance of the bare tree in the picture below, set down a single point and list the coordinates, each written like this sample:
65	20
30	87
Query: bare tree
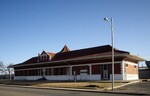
10	71
6	70
1	64
2	68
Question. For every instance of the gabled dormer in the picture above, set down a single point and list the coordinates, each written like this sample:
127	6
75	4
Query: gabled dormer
45	56
65	49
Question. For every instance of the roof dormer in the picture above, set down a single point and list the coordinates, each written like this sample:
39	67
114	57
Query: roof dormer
45	56
65	49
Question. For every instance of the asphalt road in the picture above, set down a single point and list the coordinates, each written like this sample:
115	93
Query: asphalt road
141	87
18	91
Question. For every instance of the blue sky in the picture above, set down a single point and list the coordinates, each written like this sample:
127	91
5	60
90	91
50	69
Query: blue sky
27	27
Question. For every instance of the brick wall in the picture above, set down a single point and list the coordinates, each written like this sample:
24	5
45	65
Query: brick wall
131	69
95	69
78	68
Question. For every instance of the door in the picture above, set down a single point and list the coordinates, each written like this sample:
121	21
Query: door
105	72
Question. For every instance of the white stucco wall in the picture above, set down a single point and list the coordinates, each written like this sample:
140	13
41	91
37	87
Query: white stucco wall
131	77
116	77
59	77
89	77
27	77
95	77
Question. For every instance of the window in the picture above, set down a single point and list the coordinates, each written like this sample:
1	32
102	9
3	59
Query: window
46	57
126	65
134	66
42	57
105	67
61	71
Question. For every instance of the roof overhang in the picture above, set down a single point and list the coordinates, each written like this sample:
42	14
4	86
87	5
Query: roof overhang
125	56
134	57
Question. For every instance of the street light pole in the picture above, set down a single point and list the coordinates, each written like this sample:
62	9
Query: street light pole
110	21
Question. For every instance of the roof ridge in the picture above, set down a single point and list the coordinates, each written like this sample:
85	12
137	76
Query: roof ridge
91	48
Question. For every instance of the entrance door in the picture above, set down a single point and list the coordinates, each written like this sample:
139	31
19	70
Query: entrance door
105	72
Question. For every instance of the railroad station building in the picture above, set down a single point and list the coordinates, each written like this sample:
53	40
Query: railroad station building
83	64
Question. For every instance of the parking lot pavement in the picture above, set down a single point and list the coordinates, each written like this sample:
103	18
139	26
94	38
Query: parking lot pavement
138	88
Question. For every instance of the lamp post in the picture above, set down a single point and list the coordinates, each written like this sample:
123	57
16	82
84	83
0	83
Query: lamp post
110	21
